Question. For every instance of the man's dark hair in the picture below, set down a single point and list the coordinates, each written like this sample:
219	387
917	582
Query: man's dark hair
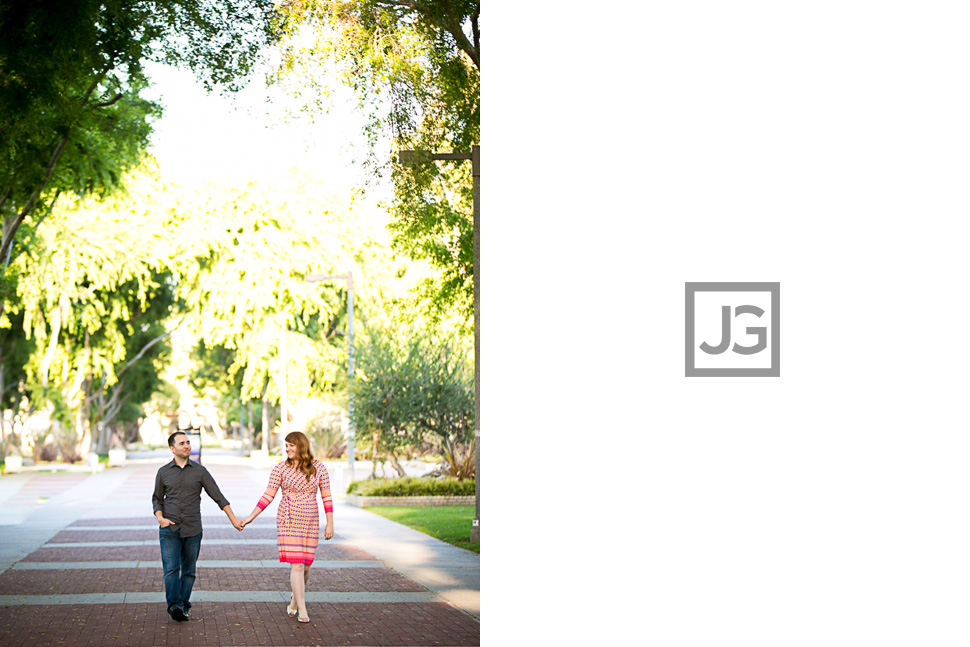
171	439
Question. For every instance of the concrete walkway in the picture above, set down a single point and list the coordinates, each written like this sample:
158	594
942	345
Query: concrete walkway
80	564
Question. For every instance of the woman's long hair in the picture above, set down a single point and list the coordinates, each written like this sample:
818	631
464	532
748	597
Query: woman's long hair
303	460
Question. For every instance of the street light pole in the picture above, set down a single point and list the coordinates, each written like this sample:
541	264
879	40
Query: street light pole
412	157
351	426
477	266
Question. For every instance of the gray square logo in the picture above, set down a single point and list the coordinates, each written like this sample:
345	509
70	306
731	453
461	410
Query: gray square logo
733	330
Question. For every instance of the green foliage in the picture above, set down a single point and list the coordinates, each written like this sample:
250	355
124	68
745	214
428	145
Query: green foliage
415	385
15	352
147	350
433	221
413	486
244	253
210	379
105	281
416	67
418	56
72	120
94	298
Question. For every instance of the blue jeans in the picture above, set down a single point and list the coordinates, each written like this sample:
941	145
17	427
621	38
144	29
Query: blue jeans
178	554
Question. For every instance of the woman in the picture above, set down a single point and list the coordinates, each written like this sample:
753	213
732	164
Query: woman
298	518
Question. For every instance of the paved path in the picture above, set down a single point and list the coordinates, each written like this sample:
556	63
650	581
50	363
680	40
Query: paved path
80	565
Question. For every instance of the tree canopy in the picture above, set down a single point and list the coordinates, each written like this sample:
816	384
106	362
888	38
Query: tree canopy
94	293
72	119
100	261
416	386
415	66
107	280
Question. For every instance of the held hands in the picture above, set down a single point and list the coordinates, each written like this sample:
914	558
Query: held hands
233	519
245	522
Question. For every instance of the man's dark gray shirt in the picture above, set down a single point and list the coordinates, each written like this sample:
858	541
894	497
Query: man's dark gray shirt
178	494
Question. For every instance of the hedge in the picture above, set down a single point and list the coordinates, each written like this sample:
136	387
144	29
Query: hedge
413	486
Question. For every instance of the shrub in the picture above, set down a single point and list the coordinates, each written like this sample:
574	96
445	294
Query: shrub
48	453
459	459
413	486
328	442
71	456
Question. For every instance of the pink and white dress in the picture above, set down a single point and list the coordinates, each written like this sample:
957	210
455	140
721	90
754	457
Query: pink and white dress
298	517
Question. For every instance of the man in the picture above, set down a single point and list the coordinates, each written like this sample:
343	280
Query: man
178	493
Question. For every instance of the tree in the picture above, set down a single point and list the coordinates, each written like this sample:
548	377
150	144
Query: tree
417	385
137	376
415	64
72	120
242	253
445	402
209	376
95	295
382	406
105	281
243	256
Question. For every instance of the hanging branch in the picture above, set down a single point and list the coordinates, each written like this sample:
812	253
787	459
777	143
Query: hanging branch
145	348
107	411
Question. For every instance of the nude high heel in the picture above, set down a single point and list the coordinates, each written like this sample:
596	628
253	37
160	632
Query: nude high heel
291	612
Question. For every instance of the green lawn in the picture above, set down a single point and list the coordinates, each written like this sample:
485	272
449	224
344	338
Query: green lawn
450	523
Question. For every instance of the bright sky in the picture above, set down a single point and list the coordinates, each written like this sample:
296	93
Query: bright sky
252	135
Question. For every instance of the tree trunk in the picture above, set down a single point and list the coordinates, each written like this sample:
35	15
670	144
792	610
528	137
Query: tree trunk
104	433
267	429
11	225
373	461
216	427
81	423
129	432
84	418
45	363
250	427
397	466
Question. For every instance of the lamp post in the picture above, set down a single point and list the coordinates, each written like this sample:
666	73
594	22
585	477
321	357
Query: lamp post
412	157
351	427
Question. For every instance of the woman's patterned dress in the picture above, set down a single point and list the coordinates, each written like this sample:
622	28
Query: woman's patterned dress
298	517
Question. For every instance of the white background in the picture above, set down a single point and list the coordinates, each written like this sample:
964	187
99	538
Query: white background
632	148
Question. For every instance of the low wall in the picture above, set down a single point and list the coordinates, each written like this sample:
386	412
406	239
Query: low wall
365	501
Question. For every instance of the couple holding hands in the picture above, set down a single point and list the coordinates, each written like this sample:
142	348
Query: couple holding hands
176	502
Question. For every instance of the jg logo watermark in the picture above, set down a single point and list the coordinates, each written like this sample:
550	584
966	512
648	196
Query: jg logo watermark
732	329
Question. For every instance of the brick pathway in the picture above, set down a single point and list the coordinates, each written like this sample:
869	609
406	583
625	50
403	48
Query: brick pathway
98	582
237	623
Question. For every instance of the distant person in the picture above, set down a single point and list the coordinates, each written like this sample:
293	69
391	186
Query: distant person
178	493
298	517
